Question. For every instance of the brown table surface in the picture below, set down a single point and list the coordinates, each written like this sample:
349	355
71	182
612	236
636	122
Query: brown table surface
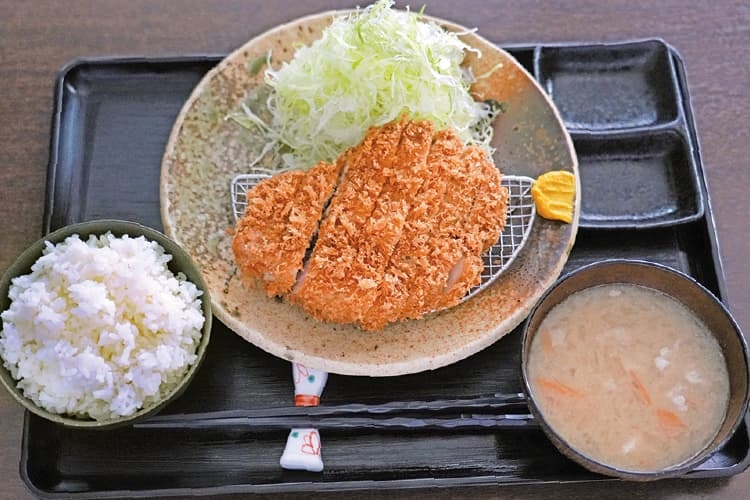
38	37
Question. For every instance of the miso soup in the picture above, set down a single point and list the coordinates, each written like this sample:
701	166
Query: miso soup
629	377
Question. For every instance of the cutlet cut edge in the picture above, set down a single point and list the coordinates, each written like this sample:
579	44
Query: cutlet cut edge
341	169
489	204
323	292
321	180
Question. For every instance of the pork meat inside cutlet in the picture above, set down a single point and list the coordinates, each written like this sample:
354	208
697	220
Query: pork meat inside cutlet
337	279
281	218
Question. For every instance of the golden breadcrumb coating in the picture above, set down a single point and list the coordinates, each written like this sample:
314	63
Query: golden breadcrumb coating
412	212
337	278
282	215
410	274
261	232
479	229
342	290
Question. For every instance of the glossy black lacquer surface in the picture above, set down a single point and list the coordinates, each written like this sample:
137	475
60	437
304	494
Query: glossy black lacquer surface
643	197
623	105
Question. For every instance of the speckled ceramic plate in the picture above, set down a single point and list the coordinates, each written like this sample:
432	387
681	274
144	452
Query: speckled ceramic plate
205	151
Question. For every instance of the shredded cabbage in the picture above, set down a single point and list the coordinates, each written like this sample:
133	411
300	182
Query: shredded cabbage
368	68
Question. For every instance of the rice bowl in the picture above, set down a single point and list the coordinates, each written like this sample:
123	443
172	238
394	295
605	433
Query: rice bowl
103	322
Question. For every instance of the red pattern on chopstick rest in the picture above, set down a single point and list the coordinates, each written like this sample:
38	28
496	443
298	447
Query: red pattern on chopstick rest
306	400
311	444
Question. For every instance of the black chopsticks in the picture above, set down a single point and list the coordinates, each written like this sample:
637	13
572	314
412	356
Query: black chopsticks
493	412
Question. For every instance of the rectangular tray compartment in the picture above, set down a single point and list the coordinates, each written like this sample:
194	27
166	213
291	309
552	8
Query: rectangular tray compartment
121	110
682	247
526	55
112	118
611	86
639	180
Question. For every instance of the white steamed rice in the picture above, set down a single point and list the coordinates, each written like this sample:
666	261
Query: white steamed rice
100	328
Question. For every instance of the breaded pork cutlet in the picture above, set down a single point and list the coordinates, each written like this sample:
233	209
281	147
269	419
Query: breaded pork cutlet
341	290
281	218
458	215
402	236
466	238
410	271
338	273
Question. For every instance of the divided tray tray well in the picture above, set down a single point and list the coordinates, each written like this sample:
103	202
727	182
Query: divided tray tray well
644	196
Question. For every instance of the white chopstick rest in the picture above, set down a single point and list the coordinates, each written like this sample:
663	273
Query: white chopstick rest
302	450
308	385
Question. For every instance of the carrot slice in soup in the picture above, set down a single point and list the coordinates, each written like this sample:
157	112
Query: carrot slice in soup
558	388
547	341
640	389
669	420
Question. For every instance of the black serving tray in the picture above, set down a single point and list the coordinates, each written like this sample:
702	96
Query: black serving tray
644	197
